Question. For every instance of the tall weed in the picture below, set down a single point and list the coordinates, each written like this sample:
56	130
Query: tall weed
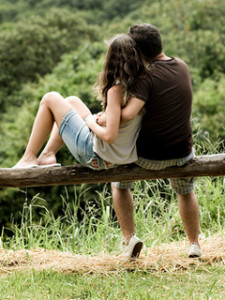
94	228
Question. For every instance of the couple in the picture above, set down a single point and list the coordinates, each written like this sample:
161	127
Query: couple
146	98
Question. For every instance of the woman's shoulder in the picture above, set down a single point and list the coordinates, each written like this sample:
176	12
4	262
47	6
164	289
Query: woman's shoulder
114	91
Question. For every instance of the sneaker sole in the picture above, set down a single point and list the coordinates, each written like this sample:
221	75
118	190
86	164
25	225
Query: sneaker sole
137	250
194	255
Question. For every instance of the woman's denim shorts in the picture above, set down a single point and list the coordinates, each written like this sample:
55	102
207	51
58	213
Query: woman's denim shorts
79	139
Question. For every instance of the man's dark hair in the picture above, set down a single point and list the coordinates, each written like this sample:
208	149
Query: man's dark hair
147	38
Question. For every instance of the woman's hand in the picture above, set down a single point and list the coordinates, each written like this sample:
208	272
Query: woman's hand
101	119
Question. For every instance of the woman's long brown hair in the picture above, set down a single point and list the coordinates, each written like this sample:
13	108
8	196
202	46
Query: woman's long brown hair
122	66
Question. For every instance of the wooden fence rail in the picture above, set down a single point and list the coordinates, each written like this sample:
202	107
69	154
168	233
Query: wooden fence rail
207	165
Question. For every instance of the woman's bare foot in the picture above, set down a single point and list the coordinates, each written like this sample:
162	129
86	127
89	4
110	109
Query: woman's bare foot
47	158
25	163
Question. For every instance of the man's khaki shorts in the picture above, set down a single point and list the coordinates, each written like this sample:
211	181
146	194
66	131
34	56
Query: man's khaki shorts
183	185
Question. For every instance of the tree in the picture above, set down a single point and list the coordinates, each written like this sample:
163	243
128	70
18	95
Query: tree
31	50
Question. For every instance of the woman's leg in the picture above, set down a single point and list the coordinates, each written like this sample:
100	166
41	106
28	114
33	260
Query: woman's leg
53	107
48	155
55	142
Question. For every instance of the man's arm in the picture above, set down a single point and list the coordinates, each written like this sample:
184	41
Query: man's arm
130	111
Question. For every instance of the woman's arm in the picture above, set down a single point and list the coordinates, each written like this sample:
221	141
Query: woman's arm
110	131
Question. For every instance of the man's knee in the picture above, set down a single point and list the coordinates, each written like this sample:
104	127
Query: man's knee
116	190
186	196
182	186
122	185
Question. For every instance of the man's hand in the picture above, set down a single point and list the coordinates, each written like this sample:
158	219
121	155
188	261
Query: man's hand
99	118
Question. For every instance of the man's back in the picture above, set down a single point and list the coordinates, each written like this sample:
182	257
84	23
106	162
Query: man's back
166	130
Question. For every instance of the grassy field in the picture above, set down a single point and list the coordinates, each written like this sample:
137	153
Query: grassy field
162	272
139	284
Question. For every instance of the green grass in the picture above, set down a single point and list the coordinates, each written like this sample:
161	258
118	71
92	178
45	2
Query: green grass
157	220
192	284
156	216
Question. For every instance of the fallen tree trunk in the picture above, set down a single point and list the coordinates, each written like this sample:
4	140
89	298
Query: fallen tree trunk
208	165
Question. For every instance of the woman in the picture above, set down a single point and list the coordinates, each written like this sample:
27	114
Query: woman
92	145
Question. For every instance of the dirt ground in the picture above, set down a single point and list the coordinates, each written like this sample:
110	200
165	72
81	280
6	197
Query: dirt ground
166	257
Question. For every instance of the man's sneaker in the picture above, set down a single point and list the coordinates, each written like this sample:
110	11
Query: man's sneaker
133	249
194	251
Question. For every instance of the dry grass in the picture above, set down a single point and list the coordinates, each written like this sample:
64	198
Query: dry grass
167	257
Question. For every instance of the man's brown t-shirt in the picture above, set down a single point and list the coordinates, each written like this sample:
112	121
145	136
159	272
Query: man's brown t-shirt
166	129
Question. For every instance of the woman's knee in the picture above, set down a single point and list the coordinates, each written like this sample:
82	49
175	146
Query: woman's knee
50	97
73	100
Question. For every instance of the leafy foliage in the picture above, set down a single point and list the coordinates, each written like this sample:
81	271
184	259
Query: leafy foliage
30	50
101	10
209	109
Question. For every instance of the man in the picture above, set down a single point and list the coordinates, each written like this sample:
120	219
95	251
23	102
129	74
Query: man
165	138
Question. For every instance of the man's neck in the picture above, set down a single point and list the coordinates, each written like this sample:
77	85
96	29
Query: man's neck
161	56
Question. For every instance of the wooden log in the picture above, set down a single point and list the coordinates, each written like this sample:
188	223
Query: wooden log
208	165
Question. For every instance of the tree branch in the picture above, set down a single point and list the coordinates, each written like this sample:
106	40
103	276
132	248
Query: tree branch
208	165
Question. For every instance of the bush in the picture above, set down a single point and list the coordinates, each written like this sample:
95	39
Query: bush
32	49
208	109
